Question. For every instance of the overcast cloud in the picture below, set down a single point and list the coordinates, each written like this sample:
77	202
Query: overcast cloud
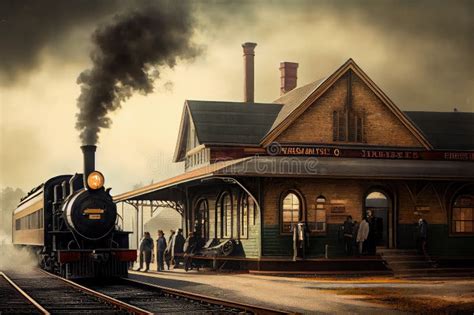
418	52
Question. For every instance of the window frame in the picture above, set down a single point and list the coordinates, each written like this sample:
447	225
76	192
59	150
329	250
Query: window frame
220	215
197	209
324	208
301	210
244	199
452	232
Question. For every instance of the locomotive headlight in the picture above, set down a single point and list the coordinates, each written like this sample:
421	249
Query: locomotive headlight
95	180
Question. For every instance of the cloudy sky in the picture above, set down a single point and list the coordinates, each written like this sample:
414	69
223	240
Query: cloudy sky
418	52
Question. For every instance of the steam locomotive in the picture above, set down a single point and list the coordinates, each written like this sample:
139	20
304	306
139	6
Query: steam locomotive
70	222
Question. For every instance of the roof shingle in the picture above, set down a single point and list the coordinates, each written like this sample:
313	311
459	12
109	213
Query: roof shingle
446	130
232	122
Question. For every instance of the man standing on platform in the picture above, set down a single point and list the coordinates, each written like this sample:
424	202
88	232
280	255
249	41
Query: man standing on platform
372	237
146	251
160	250
169	249
178	244
422	236
348	227
362	234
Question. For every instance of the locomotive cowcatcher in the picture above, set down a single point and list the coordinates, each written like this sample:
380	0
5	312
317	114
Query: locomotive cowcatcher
71	223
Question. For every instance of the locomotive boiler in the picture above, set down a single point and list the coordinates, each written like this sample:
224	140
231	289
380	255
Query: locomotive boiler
70	222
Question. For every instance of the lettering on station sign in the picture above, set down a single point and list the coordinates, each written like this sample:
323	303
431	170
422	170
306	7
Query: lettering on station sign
320	151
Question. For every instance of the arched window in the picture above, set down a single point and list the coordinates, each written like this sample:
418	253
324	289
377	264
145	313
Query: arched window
462	221
317	215
247	208
291	207
202	218
224	215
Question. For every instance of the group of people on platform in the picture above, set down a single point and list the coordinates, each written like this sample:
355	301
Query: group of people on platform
170	252
361	238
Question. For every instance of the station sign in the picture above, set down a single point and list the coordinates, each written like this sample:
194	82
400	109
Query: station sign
394	154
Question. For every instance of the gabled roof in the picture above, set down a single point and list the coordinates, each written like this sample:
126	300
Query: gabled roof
291	110
255	124
292	99
446	130
232	122
226	123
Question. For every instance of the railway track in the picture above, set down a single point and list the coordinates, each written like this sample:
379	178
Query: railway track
161	300
38	292
13	300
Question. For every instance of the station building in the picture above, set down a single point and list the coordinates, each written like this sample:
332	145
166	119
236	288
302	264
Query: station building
331	148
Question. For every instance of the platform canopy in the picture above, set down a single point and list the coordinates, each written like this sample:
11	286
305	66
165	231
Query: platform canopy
168	189
327	167
314	167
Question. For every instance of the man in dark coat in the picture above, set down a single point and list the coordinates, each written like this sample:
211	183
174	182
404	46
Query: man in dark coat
169	249
146	251
422	236
178	245
160	249
348	235
355	230
372	237
190	246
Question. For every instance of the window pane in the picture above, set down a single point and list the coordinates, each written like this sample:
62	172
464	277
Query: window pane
468	225
290	211
287	216
287	203
456	213
219	220
244	212
227	215
468	213
463	214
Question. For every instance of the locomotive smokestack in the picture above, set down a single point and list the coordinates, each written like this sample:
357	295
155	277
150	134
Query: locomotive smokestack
89	160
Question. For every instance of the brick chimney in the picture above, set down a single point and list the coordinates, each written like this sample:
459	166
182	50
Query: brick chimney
288	71
249	73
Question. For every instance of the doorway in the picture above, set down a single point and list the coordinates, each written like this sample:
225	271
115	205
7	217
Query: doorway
379	203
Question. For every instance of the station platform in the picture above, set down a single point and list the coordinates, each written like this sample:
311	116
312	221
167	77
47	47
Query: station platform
330	294
365	265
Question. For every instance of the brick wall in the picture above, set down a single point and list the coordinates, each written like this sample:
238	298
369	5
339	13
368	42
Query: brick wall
351	194
382	127
426	199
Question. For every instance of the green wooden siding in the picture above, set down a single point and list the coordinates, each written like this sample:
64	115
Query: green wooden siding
250	244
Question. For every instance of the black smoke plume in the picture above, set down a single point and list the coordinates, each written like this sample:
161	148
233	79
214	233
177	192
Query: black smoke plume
127	57
29	28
